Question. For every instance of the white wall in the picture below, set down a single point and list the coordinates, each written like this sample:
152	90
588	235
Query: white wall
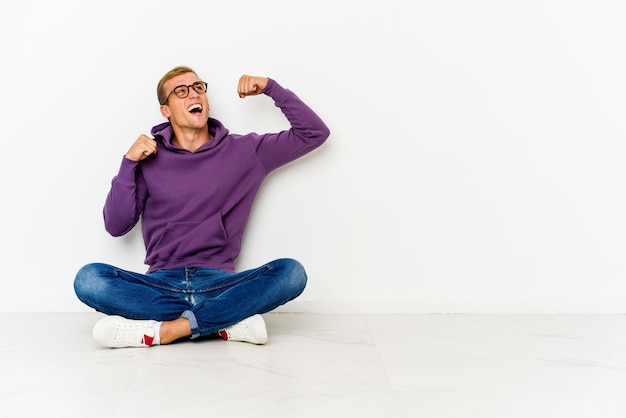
476	162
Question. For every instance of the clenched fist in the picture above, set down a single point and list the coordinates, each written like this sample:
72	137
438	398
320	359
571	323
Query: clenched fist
143	147
250	85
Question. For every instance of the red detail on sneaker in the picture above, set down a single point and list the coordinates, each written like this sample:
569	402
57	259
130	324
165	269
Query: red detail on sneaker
224	335
147	340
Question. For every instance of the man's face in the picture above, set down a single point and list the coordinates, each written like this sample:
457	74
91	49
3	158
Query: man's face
188	112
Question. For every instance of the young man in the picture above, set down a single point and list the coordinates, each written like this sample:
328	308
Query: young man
193	184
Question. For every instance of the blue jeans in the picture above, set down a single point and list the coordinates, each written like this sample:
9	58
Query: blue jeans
210	299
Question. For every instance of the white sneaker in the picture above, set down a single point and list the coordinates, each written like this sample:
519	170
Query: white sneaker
250	330
117	332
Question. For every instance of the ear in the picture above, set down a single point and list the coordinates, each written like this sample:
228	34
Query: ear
165	111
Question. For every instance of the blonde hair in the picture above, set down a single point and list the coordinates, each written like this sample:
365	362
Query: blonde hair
176	71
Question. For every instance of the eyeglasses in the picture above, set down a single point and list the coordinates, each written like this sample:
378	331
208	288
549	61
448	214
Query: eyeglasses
183	91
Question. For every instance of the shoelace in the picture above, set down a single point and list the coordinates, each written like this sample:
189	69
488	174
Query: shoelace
130	335
238	330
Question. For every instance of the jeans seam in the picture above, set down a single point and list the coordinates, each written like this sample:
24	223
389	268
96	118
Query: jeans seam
140	277
232	283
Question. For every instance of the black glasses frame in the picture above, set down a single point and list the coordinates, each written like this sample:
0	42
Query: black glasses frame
199	87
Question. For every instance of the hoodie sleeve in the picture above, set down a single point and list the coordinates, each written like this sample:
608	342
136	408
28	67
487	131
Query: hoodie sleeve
307	131
124	203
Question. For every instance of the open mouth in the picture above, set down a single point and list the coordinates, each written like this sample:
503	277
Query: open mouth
195	108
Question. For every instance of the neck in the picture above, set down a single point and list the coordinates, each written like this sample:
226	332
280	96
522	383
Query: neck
190	139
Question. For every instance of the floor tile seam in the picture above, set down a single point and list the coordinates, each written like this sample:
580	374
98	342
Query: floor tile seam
382	363
127	389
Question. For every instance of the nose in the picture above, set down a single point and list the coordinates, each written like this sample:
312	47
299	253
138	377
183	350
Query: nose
192	93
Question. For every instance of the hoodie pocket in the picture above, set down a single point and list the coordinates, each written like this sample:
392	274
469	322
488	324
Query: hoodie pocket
184	239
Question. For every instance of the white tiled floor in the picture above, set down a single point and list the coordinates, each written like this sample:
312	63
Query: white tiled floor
323	365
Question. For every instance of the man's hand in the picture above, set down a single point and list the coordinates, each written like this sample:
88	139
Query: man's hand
143	147
251	85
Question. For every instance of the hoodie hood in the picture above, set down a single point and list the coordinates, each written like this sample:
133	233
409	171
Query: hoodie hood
163	134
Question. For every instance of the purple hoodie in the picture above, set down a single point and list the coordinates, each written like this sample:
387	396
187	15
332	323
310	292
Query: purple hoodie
194	206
